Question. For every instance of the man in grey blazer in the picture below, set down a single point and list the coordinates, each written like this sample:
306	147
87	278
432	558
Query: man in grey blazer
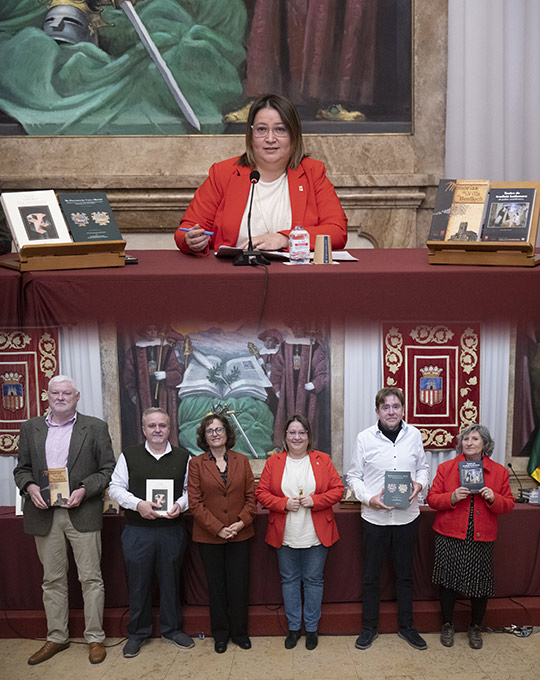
67	439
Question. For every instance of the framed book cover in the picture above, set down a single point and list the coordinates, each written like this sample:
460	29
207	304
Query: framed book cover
34	217
471	475
509	214
397	488
89	217
161	492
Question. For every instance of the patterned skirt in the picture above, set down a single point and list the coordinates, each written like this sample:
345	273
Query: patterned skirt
464	565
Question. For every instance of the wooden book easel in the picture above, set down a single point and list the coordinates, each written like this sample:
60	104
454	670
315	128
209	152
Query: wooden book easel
501	253
80	255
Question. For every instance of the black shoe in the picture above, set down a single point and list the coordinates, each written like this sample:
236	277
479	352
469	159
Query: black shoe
292	638
411	636
220	647
243	643
312	639
447	635
366	638
475	637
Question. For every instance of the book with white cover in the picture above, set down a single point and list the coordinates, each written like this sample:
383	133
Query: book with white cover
161	492
34	217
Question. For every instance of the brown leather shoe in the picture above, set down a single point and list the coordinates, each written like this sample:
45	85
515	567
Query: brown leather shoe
96	652
48	650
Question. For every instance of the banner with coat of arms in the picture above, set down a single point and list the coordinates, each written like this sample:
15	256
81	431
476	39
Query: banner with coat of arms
28	360
438	368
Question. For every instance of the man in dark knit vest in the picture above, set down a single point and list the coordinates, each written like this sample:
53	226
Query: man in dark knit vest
153	540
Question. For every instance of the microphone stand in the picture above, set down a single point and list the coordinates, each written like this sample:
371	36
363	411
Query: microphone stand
251	257
520	498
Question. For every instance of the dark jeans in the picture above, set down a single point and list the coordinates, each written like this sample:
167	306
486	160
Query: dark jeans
400	540
227	572
149	550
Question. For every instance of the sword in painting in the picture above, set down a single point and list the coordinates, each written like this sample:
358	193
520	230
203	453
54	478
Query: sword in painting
163	69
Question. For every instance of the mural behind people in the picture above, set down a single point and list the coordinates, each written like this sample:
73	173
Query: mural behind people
222	370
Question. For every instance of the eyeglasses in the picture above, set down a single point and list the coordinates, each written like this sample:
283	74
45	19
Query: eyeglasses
297	433
216	430
263	130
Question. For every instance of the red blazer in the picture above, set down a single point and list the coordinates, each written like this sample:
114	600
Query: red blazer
328	491
451	520
219	203
215	505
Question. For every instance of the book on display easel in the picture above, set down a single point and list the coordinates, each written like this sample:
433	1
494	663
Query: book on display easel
508	232
43	239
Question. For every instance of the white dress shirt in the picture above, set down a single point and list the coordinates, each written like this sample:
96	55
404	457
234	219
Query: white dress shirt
118	488
375	454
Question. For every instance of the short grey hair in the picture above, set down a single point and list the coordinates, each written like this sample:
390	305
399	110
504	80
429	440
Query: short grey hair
62	378
489	444
155	409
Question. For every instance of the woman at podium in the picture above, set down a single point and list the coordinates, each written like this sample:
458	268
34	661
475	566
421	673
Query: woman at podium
289	189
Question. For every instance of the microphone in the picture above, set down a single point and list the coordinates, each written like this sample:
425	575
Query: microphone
251	256
520	498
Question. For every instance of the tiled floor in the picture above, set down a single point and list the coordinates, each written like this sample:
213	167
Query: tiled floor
503	657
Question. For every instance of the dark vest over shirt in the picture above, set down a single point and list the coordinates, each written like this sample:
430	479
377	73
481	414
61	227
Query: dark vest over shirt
142	466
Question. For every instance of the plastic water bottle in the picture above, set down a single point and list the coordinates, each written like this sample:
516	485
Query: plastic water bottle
299	245
533	496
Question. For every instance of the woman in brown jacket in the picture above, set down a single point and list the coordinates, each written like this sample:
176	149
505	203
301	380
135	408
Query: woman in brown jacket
221	493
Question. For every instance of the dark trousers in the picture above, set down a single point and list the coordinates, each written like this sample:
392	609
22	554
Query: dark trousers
227	572
400	541
148	551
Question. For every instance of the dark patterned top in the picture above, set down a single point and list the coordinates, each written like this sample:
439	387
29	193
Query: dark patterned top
225	472
464	565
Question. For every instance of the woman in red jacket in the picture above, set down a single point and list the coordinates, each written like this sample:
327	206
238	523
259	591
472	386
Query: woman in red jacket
466	524
299	486
292	190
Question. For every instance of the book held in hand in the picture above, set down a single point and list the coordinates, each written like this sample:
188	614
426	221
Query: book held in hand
59	486
471	475
161	492
54	486
397	488
89	217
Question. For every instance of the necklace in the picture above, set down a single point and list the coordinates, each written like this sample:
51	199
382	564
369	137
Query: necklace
298	469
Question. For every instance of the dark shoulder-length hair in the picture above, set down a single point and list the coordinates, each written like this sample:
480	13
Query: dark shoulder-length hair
291	119
305	424
201	431
488	443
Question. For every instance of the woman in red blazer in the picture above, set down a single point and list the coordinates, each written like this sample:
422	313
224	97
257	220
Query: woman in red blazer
299	486
292	189
466	524
221	494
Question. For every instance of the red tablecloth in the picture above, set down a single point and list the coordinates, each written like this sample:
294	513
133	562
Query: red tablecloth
10	288
383	284
517	563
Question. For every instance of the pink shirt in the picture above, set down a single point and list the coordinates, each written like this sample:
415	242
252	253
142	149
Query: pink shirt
57	443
